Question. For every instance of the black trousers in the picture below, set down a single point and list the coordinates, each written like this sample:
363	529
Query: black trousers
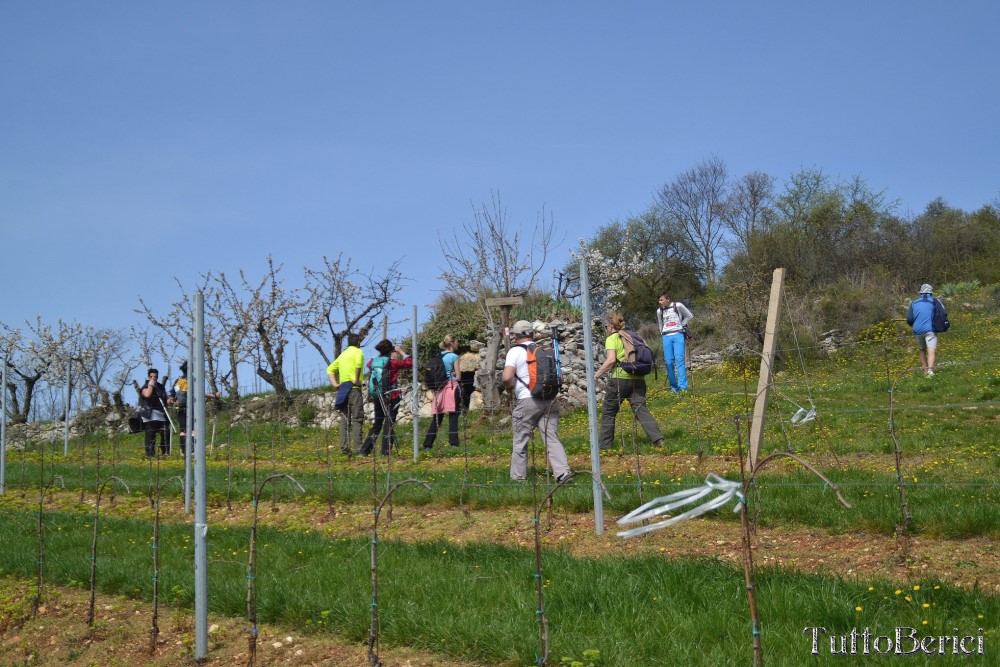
383	423
151	428
468	383
182	427
436	421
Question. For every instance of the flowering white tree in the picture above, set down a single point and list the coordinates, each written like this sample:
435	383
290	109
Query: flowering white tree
33	357
105	362
630	262
264	312
223	335
608	276
339	299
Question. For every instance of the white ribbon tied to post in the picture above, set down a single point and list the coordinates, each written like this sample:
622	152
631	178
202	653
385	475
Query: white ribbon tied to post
664	504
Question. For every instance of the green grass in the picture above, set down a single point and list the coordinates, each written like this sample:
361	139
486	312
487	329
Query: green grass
479	601
940	505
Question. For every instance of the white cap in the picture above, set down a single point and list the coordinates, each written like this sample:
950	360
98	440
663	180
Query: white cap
523	328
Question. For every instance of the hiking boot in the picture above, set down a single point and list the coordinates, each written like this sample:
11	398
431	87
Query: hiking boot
659	443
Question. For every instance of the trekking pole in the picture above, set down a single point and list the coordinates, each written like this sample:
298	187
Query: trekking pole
173	428
555	348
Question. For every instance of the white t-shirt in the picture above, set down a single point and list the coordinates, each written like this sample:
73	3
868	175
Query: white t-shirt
673	318
517	357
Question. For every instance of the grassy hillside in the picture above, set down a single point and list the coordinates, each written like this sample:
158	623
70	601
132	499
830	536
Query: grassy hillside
457	564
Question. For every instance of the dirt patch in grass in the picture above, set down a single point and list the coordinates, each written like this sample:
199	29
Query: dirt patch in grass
59	635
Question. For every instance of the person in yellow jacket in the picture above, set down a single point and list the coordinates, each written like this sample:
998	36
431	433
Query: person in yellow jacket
345	375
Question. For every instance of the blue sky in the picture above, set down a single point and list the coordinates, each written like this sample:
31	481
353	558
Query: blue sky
146	140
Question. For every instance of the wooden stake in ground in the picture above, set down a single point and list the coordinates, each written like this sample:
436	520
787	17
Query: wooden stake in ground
766	364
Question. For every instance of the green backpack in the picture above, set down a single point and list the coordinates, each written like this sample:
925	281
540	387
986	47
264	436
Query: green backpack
378	381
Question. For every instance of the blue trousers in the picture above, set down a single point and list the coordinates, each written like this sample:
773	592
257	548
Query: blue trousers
673	354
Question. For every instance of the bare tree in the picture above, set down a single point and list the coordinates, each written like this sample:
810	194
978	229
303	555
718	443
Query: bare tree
694	201
749	210
264	311
492	258
340	299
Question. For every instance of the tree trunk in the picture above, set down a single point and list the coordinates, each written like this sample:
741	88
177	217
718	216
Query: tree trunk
19	413
274	355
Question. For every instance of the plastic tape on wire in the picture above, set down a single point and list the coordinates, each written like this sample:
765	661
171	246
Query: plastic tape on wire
664	504
803	416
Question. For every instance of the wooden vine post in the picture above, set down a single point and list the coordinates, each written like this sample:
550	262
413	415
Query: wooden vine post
766	366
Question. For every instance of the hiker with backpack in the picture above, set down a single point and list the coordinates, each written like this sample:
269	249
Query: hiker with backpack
928	318
383	388
345	376
531	372
628	364
178	396
441	377
672	318
153	411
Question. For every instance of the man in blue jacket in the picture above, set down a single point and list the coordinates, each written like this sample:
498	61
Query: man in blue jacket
921	317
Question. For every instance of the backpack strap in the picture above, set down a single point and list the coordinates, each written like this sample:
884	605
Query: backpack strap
516	376
618	362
